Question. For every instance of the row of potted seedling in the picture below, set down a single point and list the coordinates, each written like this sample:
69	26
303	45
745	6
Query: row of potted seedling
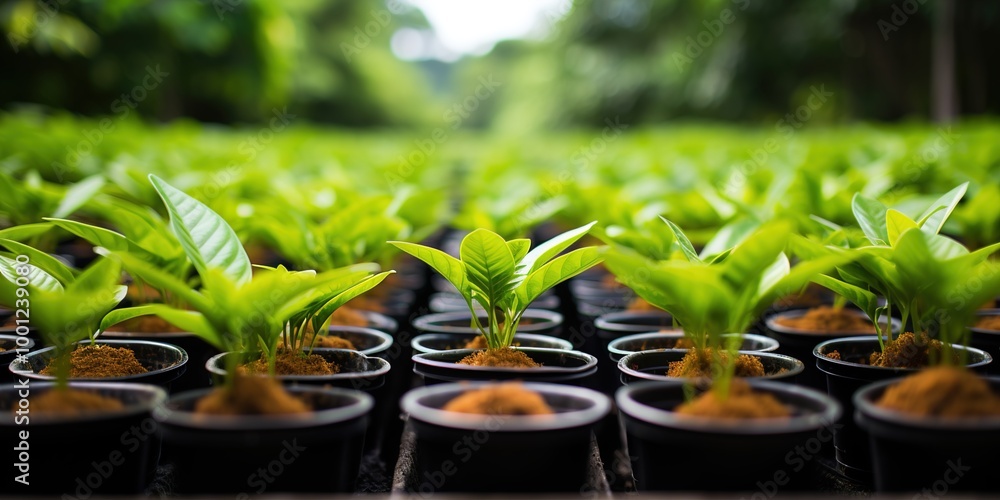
710	402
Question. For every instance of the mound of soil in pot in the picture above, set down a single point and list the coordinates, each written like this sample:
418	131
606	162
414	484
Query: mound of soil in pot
477	343
942	392
741	403
72	402
989	323
500	358
332	341
295	363
500	399
697	363
826	319
251	396
348	316
908	351
145	324
100	361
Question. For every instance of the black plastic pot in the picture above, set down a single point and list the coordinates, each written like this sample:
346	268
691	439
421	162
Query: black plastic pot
197	349
913	453
357	371
987	340
81	456
436	342
672	452
619	324
453	302
256	454
653	365
10	344
623	346
533	321
367	341
799	344
560	366
164	363
459	452
845	376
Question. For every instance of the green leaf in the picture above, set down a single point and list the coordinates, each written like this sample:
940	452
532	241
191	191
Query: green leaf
157	278
38	278
865	300
935	216
745	265
682	241
188	321
544	252
324	313
101	237
206	237
729	236
447	266
489	264
51	265
102	274
24	231
896	223
870	214
519	248
77	195
556	271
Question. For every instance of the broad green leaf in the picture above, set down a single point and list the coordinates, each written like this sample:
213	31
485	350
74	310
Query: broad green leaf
188	321
24	231
208	240
519	248
101	237
858	296
556	271
774	273
682	241
935	216
102	274
870	214
37	278
544	252
800	275
489	264
77	195
729	236
896	223
51	265
745	265
447	266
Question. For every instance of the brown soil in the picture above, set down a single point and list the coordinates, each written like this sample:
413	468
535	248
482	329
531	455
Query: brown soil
294	363
479	342
813	296
347	316
942	392
146	294
501	399
331	341
73	402
100	361
500	358
907	351
742	403
251	396
145	324
826	319
833	355
989	323
609	281
697	363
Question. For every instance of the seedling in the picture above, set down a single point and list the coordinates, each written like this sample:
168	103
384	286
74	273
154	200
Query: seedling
63	303
237	310
711	296
504	277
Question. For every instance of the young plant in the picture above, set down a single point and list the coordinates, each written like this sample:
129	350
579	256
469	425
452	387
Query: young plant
25	203
236	310
931	279
711	296
65	304
504	277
